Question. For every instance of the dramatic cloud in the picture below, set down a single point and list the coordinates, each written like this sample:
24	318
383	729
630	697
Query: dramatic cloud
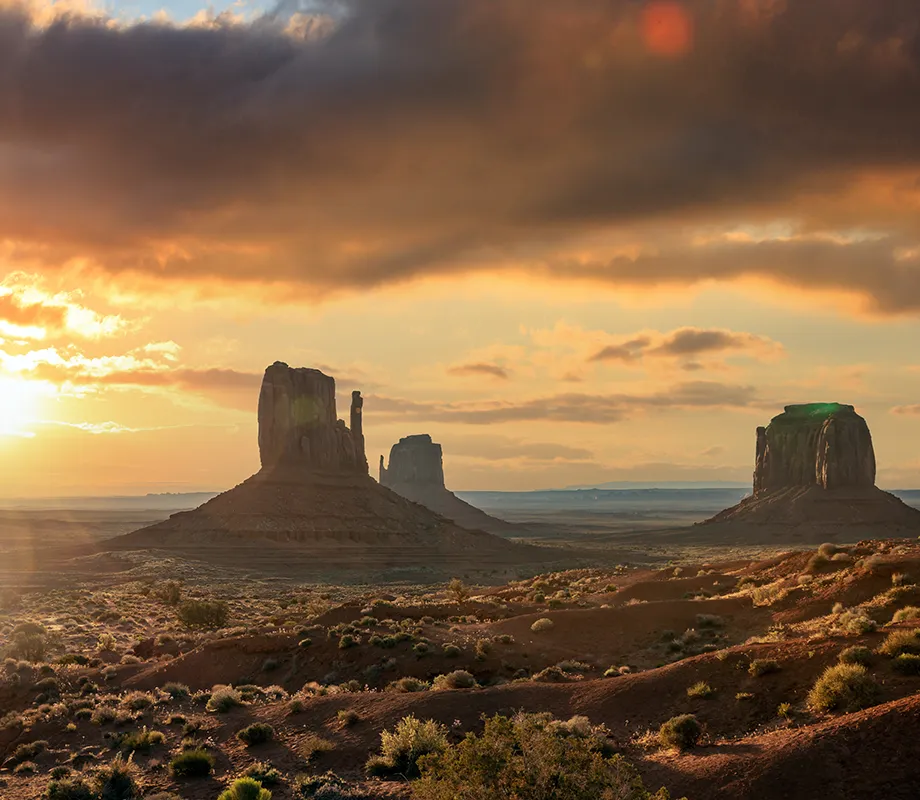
686	343
585	408
479	370
375	141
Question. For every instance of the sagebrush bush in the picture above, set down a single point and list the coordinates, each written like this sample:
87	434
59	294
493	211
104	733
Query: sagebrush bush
401	748
264	773
257	733
906	614
898	642
542	625
681	732
857	654
907	664
762	666
844	687
245	789
69	789
700	689
194	763
408	684
203	613
856	621
116	781
458	679
530	756
314	745
224	698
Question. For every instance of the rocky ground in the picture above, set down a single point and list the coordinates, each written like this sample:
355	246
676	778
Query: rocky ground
160	665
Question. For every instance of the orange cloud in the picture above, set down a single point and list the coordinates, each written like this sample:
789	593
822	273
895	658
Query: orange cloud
480	370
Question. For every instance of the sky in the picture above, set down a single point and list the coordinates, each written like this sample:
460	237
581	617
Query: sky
575	242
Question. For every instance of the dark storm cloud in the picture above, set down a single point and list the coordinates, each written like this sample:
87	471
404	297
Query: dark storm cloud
417	137
571	407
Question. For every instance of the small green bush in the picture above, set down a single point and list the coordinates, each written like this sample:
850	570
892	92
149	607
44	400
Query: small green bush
700	689
223	699
762	666
844	687
257	733
907	664
209	614
682	732
898	642
116	781
401	748
408	684
458	679
906	614
857	654
69	789
246	789
195	763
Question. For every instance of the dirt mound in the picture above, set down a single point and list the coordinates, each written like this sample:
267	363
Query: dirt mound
861	756
324	523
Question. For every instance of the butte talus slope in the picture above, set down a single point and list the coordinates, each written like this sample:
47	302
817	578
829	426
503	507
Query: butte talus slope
815	468
416	472
313	505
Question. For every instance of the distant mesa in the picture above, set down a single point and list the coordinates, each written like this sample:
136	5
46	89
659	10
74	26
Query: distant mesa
815	466
416	472
312	507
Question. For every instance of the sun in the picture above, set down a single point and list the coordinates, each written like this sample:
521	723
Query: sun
19	405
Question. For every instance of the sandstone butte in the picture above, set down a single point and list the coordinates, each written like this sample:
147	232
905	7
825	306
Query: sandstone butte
416	472
815	466
312	507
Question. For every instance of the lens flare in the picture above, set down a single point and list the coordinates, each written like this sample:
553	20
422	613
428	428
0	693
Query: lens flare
667	28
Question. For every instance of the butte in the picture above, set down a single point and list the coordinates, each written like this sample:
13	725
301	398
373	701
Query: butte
416	472
814	477
313	508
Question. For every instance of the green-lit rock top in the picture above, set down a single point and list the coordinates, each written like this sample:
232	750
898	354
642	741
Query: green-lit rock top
814	444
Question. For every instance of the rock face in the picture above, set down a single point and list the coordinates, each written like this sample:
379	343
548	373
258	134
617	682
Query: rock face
814	474
299	427
416	460
416	472
819	444
312	509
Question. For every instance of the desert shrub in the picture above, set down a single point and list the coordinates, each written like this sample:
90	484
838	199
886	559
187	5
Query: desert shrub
768	595
458	590
827	550
709	621
204	613
348	717
681	732
194	763
529	756
305	642
905	614
401	748
700	689
224	698
347	641
901	579
844	687
116	781
26	768
408	684
542	625
245	789
483	649
898	642
458	679
744	696
264	773
176	690
420	649
138	701
69	789
106	643
551	675
451	651
856	621
314	745
29	641
907	664
26	752
784	711
170	593
327	786
857	654
138	741
257	733
762	666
